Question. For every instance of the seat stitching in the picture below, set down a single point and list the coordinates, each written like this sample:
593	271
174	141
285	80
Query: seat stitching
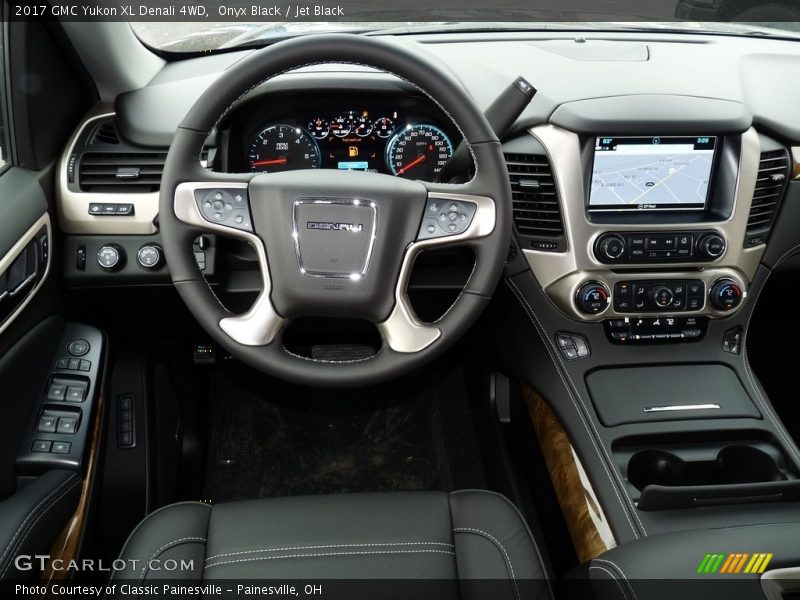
499	546
557	363
364	545
324	554
43	513
524	522
31	514
621	572
146	518
614	578
167	546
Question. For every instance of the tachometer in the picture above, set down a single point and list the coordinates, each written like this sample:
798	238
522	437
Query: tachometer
283	148
418	152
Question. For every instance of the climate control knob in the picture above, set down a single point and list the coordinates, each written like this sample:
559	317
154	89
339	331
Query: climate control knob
610	247
661	296
592	298
711	246
110	257
726	294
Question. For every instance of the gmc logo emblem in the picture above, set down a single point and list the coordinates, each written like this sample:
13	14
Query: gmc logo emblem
329	226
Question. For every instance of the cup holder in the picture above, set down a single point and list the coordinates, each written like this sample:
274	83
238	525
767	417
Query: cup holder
733	465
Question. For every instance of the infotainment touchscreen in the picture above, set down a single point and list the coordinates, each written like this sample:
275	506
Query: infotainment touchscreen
651	173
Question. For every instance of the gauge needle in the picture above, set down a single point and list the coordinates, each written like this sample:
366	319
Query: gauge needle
420	159
272	161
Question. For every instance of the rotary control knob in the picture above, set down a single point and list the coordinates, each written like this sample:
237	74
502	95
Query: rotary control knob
110	257
610	247
150	257
661	296
592	298
726	294
711	246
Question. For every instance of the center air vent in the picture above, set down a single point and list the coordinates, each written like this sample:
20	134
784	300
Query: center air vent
773	175
537	210
121	172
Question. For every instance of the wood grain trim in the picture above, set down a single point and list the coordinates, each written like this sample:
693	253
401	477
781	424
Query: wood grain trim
67	545
584	516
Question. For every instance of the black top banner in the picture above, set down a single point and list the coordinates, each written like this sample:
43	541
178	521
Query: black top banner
511	12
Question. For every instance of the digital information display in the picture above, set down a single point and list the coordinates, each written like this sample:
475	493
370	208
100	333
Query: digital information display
651	173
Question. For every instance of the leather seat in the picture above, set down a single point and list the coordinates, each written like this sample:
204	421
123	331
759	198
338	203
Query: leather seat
444	539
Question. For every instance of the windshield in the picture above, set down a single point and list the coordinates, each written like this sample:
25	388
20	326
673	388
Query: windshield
209	36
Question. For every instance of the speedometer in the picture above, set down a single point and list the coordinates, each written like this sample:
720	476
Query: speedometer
418	152
283	148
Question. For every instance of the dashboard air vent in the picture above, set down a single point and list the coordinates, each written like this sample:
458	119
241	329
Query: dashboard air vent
773	175
106	133
121	172
537	211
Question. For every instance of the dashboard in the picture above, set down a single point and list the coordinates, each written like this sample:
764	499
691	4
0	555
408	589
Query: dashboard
405	136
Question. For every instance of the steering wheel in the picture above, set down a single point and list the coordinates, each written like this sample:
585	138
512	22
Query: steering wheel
334	243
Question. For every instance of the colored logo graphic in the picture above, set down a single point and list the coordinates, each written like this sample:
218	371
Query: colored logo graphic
734	563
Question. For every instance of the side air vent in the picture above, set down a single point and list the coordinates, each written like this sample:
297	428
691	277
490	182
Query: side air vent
773	175
106	133
537	211
121	172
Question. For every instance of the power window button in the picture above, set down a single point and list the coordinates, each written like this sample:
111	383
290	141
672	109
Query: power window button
56	392
46	424
67	425
41	446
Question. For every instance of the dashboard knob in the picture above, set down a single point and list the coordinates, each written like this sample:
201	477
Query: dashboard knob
110	257
150	257
711	246
592	298
661	296
726	294
610	247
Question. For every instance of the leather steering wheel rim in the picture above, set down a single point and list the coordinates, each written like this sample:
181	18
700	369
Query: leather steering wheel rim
256	338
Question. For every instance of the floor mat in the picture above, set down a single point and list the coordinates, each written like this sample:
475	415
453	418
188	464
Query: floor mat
272	439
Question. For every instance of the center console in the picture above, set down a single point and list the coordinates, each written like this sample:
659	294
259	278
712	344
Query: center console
638	316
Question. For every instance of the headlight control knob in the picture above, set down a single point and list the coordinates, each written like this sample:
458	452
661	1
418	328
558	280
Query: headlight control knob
592	298
110	257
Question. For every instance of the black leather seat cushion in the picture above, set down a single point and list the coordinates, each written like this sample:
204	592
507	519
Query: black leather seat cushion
433	536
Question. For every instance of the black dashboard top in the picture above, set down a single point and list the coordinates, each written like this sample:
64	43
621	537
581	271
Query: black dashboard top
600	83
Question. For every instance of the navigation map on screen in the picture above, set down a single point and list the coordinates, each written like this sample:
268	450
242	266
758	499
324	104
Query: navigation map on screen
651	173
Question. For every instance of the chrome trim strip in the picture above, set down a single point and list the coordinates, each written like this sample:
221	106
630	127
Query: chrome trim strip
344	202
562	273
73	207
11	255
402	331
259	325
680	407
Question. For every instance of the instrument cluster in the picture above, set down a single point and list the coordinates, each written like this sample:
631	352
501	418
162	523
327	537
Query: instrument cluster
406	140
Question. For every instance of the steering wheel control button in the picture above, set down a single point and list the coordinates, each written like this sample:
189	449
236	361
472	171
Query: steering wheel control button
446	218
78	347
726	294
572	346
593	298
150	257
110	257
226	207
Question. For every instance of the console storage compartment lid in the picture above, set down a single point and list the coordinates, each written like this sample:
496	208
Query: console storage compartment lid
668	393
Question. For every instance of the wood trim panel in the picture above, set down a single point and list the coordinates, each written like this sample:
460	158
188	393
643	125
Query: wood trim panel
588	527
